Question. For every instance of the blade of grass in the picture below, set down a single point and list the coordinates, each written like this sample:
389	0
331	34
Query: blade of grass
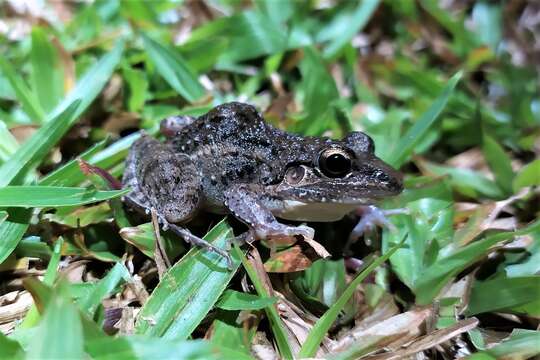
32	316
499	163
103	288
47	76
355	23
8	144
271	311
12	231
32	152
174	70
321	327
50	340
89	86
406	145
67	174
53	196
188	290
27	98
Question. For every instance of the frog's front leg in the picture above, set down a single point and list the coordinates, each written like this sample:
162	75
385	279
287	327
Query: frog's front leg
244	202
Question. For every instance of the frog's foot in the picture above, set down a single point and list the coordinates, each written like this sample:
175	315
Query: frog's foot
197	241
276	230
371	216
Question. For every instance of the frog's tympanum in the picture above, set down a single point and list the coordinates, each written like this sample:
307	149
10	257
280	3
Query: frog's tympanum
231	161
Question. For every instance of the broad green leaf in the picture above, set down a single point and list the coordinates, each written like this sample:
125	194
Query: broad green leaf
174	70
412	137
529	175
104	288
25	96
321	327
235	300
436	276
53	196
503	293
351	26
521	344
60	332
47	76
188	290
499	163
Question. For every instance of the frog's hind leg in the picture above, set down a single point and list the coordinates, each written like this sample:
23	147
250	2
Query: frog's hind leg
169	183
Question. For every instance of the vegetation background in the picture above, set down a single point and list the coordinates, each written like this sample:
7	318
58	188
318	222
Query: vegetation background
448	90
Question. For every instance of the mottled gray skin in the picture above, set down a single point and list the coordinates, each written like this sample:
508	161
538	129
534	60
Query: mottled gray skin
231	161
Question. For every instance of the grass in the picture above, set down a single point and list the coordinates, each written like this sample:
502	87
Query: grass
450	97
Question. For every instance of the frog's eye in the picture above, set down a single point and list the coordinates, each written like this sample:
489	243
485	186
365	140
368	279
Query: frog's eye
295	174
335	162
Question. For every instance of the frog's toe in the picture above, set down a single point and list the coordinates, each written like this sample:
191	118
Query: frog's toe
371	217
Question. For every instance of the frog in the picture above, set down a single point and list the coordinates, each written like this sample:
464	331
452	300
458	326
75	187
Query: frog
231	161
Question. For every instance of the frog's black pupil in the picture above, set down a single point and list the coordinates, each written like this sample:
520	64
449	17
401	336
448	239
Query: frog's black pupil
336	165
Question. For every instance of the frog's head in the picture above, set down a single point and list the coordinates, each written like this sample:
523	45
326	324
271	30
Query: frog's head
342	175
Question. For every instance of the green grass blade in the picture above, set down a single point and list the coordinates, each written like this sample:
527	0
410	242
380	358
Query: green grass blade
70	174
50	341
276	324
321	327
406	145
90	84
139	347
8	144
499	163
174	70
188	290
27	98
53	196
47	76
32	316
12	231
103	288
32	152
356	22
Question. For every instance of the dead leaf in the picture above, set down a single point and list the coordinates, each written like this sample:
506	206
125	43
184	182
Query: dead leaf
429	341
406	325
288	260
